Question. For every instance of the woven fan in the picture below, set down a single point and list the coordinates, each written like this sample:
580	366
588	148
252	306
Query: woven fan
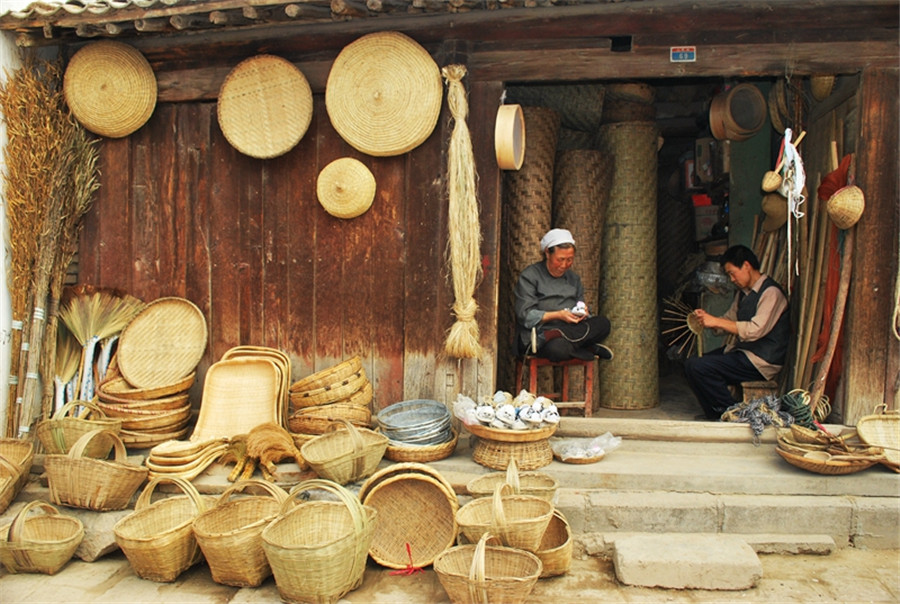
687	330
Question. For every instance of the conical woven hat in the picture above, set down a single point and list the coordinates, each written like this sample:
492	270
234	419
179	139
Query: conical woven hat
110	88
384	94
265	106
345	188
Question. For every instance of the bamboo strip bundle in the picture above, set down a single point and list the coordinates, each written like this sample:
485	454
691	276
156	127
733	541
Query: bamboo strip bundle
465	232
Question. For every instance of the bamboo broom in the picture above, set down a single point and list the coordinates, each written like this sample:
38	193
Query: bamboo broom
24	180
465	233
67	359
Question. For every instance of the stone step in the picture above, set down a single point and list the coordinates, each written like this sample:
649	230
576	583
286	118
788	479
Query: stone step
603	544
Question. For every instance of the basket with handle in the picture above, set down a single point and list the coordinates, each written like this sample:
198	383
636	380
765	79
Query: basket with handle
158	538
229	533
476	574
318	549
16	458
80	481
71	422
882	429
556	547
538	484
345	455
517	520
39	543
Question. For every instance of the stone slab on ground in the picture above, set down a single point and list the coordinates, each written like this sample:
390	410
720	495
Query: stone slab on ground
716	562
603	545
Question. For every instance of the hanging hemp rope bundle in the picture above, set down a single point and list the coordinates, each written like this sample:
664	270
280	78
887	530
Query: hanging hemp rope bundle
465	233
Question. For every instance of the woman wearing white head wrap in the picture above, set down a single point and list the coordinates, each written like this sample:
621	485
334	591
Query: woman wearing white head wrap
550	303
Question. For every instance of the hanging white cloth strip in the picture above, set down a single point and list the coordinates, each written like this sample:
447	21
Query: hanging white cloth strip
792	185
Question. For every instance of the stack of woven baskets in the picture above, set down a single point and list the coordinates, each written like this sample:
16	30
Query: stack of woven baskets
340	392
534	539
156	359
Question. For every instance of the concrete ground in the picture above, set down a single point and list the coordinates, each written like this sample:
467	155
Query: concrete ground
846	576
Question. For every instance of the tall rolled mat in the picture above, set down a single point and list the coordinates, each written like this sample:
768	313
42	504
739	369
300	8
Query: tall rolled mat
628	268
527	206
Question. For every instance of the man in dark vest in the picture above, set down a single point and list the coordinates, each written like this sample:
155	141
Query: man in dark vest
759	324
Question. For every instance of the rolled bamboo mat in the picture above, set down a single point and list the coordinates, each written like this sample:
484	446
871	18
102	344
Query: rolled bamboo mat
628	268
527	207
580	106
580	194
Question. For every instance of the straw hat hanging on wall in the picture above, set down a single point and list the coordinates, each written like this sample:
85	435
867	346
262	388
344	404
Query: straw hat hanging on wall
110	88
265	106
384	94
345	188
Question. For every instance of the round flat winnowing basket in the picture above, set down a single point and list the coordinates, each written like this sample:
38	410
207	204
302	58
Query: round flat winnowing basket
527	209
580	106
345	188
628	268
837	467
118	390
265	106
400	469
384	94
163	343
414	510
110	88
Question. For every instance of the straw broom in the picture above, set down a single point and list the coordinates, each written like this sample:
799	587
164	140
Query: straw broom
465	234
92	317
66	361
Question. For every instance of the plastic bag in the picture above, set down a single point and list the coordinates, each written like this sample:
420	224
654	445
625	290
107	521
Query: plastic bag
585	448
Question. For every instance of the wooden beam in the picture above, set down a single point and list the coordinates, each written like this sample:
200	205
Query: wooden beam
872	354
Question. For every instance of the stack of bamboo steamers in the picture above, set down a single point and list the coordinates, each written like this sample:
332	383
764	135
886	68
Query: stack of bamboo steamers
322	399
156	360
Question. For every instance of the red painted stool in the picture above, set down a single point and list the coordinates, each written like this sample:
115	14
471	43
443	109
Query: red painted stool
533	363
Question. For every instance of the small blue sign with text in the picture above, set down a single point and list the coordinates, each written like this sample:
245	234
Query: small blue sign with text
682	54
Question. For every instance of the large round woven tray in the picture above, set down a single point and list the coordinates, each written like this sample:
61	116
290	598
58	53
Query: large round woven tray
110	88
826	467
118	389
512	436
162	344
384	94
265	106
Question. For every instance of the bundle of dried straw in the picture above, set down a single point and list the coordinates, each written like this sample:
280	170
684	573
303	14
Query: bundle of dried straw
49	184
465	233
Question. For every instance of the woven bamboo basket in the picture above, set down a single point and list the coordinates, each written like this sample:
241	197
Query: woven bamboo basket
362	397
475	574
826	467
517	520
77	480
345	455
556	547
318	549
416	520
39	544
71	422
334	374
158	538
8	481
118	389
159	421
20	453
144	440
319	419
330	393
497	454
882	430
537	484
628	268
229	533
400	452
846	206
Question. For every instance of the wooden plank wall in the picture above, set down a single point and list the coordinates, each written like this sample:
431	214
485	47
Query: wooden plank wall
182	213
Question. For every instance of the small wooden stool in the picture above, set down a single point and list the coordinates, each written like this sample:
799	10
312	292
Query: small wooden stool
754	390
534	363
